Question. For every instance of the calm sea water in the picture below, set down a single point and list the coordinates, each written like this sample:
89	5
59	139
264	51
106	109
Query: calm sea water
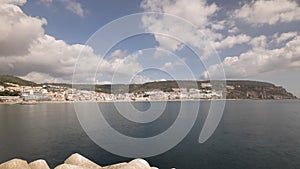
251	135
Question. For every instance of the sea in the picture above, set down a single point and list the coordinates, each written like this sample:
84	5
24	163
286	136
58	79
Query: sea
252	134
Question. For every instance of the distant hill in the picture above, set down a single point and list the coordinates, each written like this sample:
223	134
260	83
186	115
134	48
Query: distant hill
15	80
256	90
235	89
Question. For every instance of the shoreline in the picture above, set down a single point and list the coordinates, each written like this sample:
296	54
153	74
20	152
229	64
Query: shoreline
138	101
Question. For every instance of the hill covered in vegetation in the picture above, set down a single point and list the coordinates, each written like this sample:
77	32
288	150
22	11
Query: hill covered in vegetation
235	89
6	79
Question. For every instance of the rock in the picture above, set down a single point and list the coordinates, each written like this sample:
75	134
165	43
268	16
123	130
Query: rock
39	164
139	164
115	166
15	164
75	161
78	160
70	166
134	164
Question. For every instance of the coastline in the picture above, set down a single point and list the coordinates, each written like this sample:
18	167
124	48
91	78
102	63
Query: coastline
138	101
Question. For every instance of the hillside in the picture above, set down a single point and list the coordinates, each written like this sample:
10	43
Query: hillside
15	80
235	89
257	90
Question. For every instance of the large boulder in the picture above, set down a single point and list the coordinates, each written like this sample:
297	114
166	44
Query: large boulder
140	164
134	164
15	164
115	166
79	160
39	164
69	166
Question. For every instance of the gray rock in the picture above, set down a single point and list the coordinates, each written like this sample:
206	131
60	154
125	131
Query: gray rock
39	164
15	164
78	160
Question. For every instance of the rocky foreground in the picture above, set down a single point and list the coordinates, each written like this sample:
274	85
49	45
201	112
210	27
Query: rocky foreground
75	161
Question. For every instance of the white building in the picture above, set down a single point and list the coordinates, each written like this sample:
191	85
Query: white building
1	88
206	85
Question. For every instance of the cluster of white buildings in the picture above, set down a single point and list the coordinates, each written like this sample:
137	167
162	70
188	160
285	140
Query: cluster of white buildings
59	93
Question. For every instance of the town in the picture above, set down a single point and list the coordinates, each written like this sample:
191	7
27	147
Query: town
53	93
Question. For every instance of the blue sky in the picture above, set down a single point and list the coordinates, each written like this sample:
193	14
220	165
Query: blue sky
256	40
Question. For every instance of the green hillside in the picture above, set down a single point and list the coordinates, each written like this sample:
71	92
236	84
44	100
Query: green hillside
16	80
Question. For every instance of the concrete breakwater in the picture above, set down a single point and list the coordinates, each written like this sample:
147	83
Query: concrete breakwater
75	161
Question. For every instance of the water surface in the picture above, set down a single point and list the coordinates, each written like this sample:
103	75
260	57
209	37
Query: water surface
251	135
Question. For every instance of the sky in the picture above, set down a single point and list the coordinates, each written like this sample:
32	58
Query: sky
136	41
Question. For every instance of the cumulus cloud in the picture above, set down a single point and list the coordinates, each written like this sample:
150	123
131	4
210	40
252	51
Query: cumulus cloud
268	12
49	56
118	69
74	7
17	29
71	5
171	65
41	78
260	60
14	2
284	36
140	79
230	41
26	51
167	65
119	54
259	42
103	82
196	12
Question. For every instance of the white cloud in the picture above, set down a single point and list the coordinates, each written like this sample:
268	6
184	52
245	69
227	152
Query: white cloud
161	80
41	78
17	30
28	52
284	36
233	30
167	65
268	12
14	2
260	60
120	69
119	54
74	7
196	12
259	42
103	82
172	65
230	41
139	79
220	25
70	5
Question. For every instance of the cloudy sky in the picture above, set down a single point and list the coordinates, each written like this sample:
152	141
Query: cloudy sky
43	40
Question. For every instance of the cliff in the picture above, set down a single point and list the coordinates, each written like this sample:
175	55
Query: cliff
256	90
